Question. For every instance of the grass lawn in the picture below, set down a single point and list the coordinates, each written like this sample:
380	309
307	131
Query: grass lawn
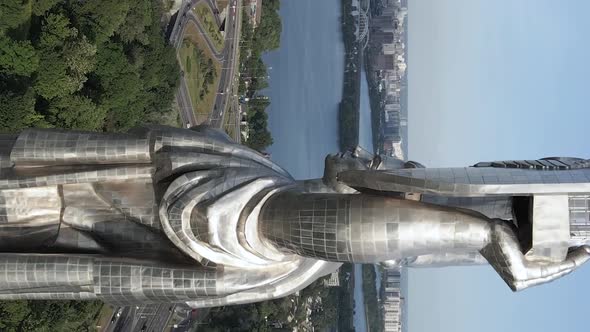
205	16
195	57
104	316
221	4
229	123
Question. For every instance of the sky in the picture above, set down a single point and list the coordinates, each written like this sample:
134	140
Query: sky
496	80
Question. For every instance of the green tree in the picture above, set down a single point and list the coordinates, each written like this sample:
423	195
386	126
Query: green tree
53	81
79	57
120	87
56	29
99	19
12	313
259	139
268	34
76	112
17	111
160	71
258	104
41	6
66	58
136	24
14	13
17	57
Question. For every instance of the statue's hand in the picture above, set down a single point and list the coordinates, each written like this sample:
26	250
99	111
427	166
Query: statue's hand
504	254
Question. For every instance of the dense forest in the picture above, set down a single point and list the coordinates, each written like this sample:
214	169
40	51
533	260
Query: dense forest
265	37
93	65
60	316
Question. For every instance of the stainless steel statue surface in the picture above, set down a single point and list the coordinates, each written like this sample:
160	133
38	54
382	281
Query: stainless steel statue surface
174	215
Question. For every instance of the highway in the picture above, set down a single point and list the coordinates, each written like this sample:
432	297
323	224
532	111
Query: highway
149	318
176	36
226	90
227	57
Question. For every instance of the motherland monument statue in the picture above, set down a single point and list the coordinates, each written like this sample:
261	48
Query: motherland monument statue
163	214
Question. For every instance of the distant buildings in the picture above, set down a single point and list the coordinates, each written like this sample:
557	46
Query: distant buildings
387	35
393	301
579	218
254	11
334	280
383	62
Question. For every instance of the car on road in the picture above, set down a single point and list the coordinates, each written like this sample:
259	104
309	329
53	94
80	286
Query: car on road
117	315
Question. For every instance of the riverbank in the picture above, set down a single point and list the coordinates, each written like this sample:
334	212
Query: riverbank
376	103
374	312
345	298
255	41
348	111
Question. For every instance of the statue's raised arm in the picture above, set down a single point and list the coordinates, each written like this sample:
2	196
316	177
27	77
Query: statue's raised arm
173	215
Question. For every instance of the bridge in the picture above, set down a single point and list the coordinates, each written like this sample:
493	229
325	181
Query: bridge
362	36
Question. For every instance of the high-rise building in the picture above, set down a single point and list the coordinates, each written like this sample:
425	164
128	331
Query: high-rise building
393	301
579	210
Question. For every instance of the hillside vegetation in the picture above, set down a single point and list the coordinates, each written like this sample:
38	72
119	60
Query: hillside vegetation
93	65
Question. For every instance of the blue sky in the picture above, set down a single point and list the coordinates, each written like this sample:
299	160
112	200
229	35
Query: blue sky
490	80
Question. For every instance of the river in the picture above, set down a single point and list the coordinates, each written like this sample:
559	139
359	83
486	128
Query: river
365	129
305	88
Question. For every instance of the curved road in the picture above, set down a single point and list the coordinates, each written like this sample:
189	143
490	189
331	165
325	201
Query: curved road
227	57
226	90
190	17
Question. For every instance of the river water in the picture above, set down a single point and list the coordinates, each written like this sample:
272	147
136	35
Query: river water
365	129
305	88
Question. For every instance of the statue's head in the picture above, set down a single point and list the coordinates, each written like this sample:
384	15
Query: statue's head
359	159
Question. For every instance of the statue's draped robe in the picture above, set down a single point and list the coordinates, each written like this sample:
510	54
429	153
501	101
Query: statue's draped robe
155	215
168	215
